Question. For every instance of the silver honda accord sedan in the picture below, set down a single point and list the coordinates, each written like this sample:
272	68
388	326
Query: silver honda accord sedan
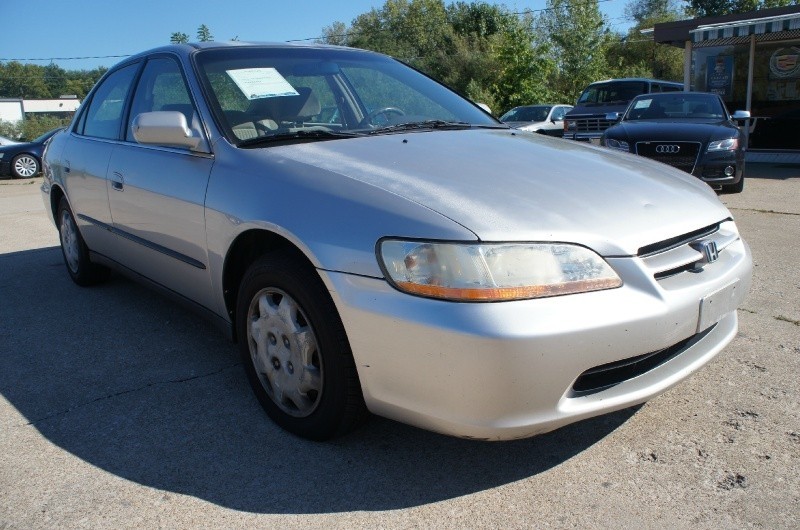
375	242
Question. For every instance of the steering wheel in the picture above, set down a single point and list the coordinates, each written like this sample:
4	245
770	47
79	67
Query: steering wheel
383	111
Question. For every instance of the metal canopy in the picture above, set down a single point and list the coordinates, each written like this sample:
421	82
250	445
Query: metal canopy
742	29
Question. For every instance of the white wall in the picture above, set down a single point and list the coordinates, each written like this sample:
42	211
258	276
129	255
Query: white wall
11	110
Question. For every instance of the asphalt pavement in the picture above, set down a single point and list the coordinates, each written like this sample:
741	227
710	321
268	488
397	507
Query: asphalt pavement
120	409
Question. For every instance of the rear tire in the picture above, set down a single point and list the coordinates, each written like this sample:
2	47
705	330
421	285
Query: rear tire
295	349
24	166
76	254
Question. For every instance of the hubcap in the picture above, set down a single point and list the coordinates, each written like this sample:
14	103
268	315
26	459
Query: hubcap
284	352
69	241
25	166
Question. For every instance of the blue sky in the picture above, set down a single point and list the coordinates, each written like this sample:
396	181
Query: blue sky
45	29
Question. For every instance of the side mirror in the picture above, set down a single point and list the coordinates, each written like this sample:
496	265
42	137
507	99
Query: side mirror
167	128
485	107
613	116
741	115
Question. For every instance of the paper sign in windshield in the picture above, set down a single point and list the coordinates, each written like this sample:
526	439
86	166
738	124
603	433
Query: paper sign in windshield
259	83
642	104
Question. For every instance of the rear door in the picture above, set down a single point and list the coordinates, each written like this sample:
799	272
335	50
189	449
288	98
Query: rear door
87	153
157	193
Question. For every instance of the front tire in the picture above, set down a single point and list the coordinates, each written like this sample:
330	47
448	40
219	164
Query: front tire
25	166
735	188
76	254
295	349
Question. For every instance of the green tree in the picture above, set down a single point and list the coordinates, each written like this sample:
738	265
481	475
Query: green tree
19	80
579	36
204	34
481	50
711	8
638	55
179	38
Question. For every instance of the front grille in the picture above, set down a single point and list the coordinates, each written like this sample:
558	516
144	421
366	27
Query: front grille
681	254
677	241
611	374
681	155
592	124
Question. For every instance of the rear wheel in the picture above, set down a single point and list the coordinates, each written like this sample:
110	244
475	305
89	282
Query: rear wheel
24	166
76	254
295	350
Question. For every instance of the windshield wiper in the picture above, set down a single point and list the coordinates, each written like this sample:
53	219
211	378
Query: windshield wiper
421	126
300	134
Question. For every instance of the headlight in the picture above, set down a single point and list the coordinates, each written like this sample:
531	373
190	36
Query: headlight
1	156
493	272
723	145
618	144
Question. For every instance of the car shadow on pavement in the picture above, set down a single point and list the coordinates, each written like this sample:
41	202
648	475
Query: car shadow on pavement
143	389
773	171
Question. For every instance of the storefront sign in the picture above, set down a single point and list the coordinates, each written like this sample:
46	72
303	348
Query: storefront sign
785	63
719	75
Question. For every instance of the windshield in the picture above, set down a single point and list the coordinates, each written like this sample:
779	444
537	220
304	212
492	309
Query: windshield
537	113
45	136
318	93
612	92
676	106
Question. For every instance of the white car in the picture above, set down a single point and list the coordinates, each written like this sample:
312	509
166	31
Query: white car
7	141
543	119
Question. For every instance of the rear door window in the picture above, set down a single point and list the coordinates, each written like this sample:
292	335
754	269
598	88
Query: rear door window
104	116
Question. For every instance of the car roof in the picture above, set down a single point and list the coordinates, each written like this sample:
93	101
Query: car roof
189	48
641	79
674	94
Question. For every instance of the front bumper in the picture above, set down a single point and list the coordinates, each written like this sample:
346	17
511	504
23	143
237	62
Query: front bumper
499	371
711	167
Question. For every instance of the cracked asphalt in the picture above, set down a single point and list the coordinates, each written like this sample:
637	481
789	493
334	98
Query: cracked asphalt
119	409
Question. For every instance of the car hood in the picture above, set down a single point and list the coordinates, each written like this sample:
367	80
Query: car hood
686	130
518	124
506	186
595	109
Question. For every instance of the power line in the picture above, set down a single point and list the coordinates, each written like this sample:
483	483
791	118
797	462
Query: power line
66	58
358	32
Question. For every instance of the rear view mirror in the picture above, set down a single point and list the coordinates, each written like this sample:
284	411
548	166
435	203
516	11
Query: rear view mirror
167	128
613	116
741	115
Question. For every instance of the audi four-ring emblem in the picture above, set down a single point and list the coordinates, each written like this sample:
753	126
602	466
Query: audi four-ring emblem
667	149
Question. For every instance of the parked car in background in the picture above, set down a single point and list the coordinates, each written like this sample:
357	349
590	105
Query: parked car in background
24	160
692	131
413	257
7	141
587	120
544	119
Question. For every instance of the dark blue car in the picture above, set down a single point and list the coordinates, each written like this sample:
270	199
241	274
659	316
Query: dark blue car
692	131
24	160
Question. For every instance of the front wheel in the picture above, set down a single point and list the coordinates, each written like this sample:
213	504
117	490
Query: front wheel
295	350
24	166
735	188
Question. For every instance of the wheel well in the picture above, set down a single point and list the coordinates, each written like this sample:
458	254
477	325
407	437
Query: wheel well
56	194
247	248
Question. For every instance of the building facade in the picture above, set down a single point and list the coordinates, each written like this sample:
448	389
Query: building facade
753	61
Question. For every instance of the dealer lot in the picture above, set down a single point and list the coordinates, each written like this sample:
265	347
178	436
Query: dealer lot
121	409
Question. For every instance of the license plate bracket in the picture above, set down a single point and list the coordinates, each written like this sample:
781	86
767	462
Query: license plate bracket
718	304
